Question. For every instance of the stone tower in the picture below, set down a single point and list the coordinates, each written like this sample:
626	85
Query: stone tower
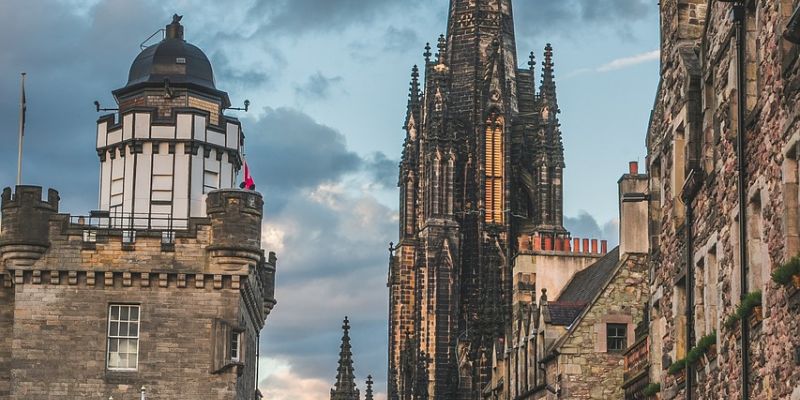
345	387
482	164
172	144
164	286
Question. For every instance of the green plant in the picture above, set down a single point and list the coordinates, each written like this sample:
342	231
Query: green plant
783	274
676	367
749	302
702	347
651	389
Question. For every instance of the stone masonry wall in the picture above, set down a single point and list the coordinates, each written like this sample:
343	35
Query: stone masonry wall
60	342
588	372
771	102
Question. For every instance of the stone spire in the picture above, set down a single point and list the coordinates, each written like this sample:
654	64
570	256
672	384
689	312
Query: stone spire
368	395
548	88
345	388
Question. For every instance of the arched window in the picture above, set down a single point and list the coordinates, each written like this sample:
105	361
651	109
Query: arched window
494	167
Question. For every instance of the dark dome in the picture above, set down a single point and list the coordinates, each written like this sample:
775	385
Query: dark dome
172	59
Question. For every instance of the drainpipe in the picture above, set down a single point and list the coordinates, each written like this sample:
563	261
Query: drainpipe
689	191
739	16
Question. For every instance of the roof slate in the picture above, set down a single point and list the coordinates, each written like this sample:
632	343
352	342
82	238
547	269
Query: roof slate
586	284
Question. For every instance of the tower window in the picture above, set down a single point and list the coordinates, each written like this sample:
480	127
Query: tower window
123	337
236	346
494	167
617	338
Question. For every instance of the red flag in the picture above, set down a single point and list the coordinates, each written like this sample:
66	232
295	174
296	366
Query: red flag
249	183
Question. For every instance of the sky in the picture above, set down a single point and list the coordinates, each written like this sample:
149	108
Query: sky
328	83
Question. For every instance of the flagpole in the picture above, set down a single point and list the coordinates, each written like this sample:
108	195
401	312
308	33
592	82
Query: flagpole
21	130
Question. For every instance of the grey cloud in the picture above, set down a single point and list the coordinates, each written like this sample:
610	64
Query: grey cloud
287	149
71	60
227	74
382	169
318	87
543	19
334	265
303	16
400	39
586	226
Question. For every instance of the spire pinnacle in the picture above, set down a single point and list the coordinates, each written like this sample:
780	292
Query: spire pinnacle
548	77
345	387
532	61
427	54
440	56
368	395
413	95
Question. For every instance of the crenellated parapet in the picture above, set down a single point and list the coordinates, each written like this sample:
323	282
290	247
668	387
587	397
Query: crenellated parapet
25	229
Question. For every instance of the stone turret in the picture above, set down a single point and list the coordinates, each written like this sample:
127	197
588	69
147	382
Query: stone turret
235	227
25	230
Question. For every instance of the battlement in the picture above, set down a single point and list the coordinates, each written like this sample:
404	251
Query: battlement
26	219
538	244
30	196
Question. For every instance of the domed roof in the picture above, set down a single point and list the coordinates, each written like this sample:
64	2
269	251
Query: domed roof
174	59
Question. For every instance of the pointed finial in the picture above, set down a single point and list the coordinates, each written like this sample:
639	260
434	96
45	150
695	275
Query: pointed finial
427	54
346	324
543	300
369	395
442	47
414	89
532	61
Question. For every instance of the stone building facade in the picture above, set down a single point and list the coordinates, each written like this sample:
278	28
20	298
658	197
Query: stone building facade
722	157
573	345
102	305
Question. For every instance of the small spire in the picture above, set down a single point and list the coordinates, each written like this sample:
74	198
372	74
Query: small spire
368	395
532	61
345	387
440	56
427	54
413	96
548	77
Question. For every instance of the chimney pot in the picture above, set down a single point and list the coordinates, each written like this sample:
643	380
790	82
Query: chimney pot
634	167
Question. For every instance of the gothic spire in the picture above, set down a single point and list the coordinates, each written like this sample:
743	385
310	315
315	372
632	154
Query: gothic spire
345	387
548	88
368	395
441	55
413	95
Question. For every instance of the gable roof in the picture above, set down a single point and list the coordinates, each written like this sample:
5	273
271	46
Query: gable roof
563	313
605	280
586	284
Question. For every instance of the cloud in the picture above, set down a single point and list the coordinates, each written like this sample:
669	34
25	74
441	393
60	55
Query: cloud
382	169
289	150
626	62
400	39
586	226
334	264
288	17
318	87
565	17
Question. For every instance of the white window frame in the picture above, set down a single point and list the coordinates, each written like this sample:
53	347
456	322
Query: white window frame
236	346
115	338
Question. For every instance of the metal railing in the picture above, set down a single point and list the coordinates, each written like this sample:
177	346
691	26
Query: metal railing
129	224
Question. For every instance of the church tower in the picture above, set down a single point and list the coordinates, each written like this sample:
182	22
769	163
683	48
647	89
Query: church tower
482	164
